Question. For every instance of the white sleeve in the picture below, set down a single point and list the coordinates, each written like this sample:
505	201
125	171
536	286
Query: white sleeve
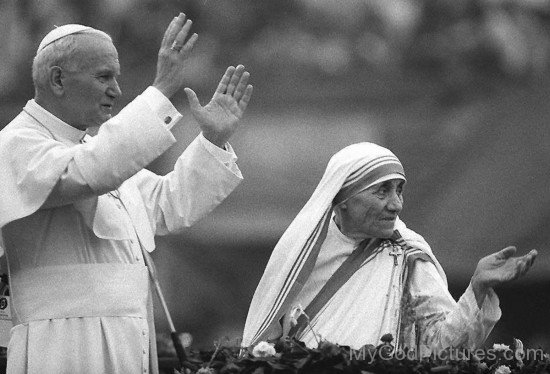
443	322
123	146
164	109
226	156
161	106
198	183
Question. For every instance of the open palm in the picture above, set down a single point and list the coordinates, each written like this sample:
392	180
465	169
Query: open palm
219	118
501	267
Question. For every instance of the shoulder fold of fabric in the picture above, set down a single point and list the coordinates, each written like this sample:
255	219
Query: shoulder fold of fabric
26	145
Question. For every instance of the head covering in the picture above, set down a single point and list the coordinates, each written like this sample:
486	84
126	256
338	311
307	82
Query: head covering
375	164
349	171
62	31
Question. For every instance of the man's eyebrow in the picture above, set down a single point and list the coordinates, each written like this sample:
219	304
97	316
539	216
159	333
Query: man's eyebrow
107	71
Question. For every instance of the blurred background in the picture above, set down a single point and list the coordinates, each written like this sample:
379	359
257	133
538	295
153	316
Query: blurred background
459	90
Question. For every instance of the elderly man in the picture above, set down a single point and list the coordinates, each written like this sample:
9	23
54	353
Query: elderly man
352	271
78	213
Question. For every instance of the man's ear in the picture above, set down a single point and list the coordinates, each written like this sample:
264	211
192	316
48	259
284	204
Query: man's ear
56	81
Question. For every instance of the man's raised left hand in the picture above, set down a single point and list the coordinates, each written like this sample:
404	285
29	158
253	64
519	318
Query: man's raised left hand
219	118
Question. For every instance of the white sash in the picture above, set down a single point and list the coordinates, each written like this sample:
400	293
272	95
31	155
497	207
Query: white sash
86	290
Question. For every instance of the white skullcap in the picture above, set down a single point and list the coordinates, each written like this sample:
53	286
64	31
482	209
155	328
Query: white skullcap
61	32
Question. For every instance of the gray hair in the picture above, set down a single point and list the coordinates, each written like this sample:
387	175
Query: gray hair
59	53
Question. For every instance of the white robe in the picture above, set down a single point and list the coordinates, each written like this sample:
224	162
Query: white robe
368	305
80	224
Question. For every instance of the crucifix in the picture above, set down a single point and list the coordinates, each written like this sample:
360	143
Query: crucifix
394	252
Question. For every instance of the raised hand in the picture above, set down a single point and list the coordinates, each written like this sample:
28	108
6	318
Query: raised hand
498	268
174	50
219	118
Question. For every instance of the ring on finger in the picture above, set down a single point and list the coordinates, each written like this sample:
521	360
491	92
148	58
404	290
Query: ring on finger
176	47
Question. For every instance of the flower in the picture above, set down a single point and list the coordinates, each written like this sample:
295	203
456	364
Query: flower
329	357
519	353
503	369
501	347
205	371
263	349
186	339
482	366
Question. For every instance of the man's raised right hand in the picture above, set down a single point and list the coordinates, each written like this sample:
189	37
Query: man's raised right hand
174	50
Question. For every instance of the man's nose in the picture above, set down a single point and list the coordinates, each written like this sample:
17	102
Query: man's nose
114	89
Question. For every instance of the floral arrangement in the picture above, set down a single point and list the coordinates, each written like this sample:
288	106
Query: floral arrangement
292	356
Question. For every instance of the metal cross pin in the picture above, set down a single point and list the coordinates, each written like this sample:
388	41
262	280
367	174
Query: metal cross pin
394	252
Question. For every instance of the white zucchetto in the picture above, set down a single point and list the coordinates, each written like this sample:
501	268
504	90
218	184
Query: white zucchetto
61	32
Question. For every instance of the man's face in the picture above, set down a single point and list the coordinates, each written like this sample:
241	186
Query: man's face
372	212
90	91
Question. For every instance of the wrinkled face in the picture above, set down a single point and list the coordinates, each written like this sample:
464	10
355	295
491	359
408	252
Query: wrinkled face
90	92
372	212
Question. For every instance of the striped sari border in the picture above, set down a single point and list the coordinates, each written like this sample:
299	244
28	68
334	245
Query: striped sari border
293	274
291	277
410	252
369	166
368	176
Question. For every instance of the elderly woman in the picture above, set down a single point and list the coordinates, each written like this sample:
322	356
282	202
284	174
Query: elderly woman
357	272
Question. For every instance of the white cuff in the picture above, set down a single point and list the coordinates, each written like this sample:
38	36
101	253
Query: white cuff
226	156
161	106
490	309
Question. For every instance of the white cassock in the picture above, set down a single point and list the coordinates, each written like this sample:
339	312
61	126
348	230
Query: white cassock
404	293
75	217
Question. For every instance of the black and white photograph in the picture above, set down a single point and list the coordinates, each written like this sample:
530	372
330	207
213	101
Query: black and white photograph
258	187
